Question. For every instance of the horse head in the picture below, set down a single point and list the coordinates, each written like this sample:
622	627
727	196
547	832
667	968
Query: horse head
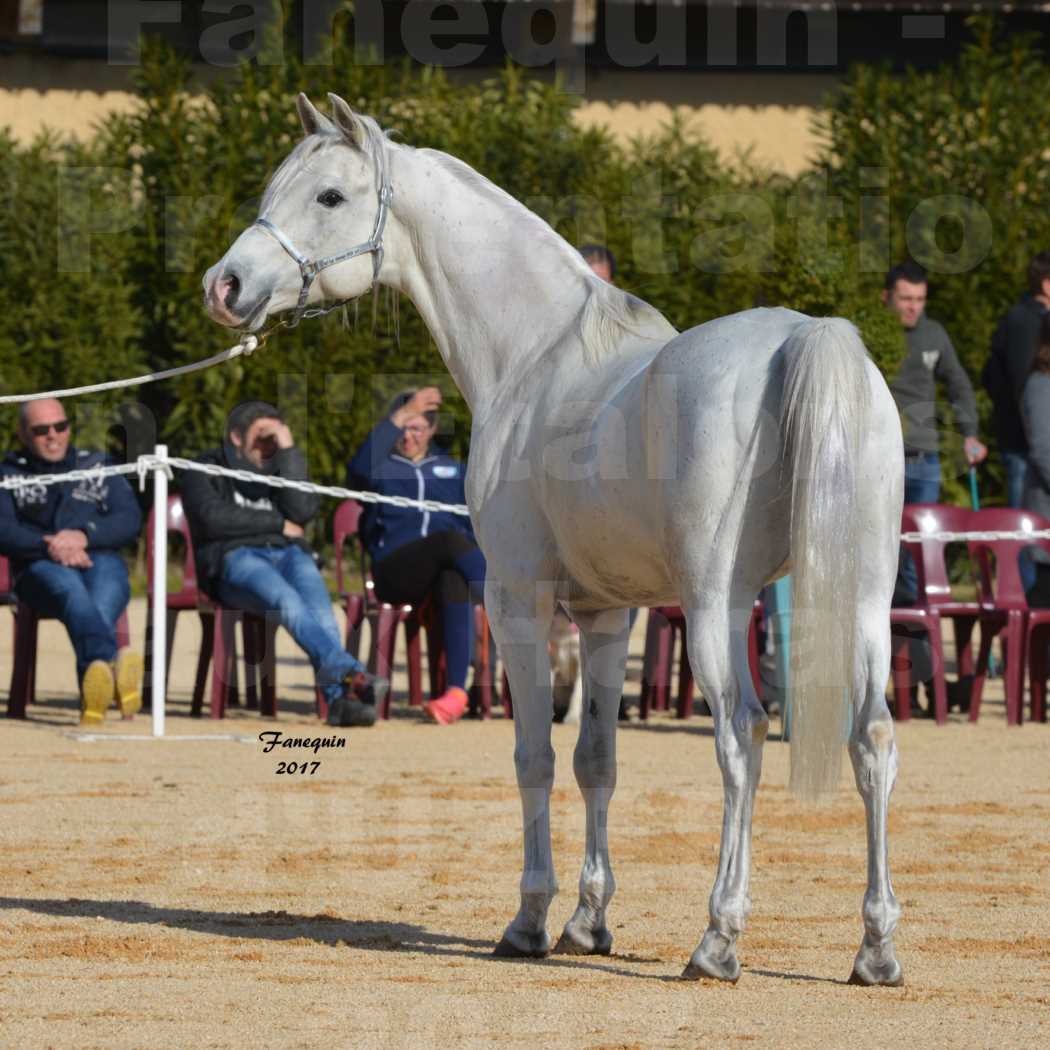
319	234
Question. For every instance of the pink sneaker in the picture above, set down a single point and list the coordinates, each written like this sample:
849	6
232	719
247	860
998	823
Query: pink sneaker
447	708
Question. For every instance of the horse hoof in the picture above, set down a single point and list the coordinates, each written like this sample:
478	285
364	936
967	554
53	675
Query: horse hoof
599	943
892	979
537	946
728	971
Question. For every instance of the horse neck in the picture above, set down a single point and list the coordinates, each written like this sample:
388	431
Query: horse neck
496	289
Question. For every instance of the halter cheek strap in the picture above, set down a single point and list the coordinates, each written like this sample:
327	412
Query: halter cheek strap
309	270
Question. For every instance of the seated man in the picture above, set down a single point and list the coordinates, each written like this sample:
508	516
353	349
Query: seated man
63	542
251	554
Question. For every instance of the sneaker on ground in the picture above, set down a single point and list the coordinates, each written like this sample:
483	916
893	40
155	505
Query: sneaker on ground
96	693
368	688
347	712
128	674
448	707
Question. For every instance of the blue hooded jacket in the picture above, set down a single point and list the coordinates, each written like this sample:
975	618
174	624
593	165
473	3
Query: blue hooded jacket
105	509
376	467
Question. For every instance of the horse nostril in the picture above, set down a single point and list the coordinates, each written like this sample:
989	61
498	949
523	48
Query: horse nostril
232	285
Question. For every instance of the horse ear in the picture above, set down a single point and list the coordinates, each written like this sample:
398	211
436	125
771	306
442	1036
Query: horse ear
347	121
314	121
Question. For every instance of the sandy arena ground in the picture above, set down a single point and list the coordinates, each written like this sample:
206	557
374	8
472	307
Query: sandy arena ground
180	893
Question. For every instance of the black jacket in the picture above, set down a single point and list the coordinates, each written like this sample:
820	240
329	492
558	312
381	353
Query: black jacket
104	509
225	514
1006	371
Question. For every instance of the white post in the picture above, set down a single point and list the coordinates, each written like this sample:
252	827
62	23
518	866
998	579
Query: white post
160	587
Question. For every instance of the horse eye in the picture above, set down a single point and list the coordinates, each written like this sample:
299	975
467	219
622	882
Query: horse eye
330	198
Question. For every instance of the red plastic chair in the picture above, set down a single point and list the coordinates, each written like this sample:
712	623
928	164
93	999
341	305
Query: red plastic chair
383	618
665	626
935	605
1023	630
27	620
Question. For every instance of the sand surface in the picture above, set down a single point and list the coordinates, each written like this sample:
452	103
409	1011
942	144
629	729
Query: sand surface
182	893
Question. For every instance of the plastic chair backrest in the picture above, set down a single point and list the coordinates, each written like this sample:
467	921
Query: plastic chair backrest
177	522
929	555
345	525
1002	587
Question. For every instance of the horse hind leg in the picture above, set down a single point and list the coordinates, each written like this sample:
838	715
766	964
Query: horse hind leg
873	753
603	647
718	653
520	624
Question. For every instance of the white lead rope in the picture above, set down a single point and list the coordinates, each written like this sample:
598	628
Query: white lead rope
244	348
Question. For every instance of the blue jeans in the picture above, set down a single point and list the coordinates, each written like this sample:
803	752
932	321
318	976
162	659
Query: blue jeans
1016	464
87	601
922	484
283	583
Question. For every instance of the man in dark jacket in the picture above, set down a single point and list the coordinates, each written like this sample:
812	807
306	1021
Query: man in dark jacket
1009	364
63	541
251	553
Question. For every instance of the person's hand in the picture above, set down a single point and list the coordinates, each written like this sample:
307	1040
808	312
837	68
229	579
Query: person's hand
426	399
68	547
291	530
272	431
975	451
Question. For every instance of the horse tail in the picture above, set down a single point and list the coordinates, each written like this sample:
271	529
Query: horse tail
824	411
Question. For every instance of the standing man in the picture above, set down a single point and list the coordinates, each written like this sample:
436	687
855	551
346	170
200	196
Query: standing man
1009	364
64	541
248	539
930	359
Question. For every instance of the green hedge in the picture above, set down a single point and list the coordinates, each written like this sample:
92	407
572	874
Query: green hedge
164	190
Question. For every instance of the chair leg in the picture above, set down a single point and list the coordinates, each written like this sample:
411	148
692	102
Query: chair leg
1014	671
24	659
414	658
203	659
266	667
147	659
123	632
684	701
224	665
508	703
355	617
901	673
940	688
656	663
482	670
1038	639
962	627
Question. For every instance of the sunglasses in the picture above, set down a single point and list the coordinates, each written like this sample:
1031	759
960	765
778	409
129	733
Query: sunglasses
42	429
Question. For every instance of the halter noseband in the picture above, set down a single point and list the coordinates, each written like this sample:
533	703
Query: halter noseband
309	270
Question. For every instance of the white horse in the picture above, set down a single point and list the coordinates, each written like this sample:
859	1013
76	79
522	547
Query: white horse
615	463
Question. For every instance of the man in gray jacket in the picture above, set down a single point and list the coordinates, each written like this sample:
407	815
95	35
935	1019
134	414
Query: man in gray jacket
930	359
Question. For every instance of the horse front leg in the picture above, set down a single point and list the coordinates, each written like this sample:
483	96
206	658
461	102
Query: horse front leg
520	624
603	639
719	659
874	755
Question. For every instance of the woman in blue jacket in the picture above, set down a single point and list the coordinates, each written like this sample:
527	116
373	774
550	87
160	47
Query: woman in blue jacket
414	552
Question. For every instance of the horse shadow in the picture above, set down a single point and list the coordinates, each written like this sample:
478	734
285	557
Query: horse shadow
331	931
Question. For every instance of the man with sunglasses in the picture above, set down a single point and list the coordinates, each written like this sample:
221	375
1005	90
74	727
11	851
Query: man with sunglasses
63	541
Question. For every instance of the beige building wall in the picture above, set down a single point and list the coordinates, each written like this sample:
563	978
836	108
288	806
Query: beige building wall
769	115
